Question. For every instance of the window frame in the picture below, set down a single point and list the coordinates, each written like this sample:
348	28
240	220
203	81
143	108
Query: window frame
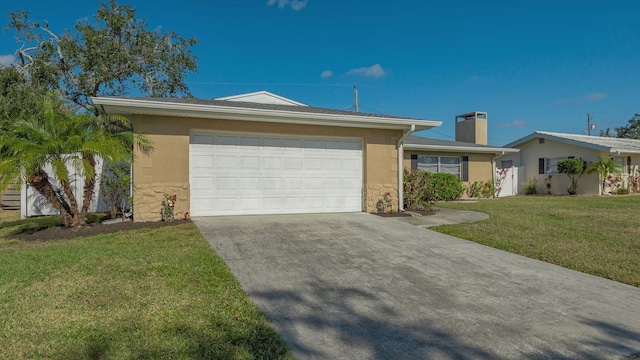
439	164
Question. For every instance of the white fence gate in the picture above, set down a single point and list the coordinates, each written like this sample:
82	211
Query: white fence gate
509	183
34	204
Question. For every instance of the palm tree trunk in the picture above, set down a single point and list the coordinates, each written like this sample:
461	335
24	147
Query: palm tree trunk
77	220
40	182
89	185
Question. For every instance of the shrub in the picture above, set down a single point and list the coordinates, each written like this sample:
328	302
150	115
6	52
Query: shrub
417	190
488	189
530	187
622	191
574	168
474	189
446	187
114	187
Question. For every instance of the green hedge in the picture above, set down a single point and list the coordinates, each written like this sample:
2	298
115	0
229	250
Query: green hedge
422	189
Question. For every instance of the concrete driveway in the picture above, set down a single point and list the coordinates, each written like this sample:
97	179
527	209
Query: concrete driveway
358	286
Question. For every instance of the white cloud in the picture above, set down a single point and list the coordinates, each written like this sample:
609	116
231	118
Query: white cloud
517	123
296	5
371	71
596	96
7	60
326	74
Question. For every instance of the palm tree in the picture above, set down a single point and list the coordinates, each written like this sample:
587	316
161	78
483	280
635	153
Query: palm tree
604	167
62	140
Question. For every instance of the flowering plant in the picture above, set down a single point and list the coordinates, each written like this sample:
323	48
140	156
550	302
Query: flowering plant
387	202
168	204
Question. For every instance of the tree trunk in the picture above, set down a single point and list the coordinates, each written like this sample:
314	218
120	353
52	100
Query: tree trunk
89	185
40	182
77	220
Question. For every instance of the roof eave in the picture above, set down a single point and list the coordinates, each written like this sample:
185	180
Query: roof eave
150	107
470	149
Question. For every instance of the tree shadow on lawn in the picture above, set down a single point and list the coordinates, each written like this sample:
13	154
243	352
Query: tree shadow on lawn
181	340
316	323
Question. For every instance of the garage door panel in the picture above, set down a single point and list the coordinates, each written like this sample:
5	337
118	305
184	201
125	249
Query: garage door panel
313	203
293	144
292	203
250	162
352	164
251	174
270	204
313	163
223	204
272	163
228	141
355	145
250	204
271	184
226	162
249	183
292	184
293	163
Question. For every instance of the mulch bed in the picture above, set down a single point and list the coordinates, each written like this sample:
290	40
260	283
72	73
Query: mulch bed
405	214
59	232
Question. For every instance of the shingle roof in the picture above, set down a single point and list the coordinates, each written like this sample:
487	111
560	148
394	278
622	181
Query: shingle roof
602	143
419	142
253	105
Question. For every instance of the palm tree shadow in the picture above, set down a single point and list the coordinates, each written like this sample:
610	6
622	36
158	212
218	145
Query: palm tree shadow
358	320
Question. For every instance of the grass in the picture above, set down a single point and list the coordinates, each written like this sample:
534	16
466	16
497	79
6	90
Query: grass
595	235
152	294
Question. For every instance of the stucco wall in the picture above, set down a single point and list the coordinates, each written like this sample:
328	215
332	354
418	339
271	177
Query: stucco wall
479	164
531	151
166	169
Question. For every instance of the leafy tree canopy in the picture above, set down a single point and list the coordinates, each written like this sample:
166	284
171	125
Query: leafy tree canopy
574	168
631	130
106	57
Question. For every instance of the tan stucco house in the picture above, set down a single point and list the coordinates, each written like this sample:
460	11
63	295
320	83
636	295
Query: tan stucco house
260	153
469	157
540	152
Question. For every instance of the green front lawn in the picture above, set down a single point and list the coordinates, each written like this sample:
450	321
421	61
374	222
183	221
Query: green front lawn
595	235
154	294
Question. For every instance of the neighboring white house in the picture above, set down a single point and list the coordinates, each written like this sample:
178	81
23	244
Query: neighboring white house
541	151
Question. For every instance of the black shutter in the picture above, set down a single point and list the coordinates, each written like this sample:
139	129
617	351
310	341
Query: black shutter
414	161
541	166
629	165
465	168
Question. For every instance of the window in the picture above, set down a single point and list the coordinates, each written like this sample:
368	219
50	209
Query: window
440	164
552	166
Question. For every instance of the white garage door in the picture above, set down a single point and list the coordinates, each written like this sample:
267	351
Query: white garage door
234	174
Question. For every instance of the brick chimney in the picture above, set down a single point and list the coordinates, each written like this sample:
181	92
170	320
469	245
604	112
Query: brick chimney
472	127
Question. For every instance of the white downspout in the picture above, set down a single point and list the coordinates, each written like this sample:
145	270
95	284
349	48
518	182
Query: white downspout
400	169
493	168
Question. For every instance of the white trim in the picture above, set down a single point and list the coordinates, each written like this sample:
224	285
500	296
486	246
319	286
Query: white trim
404	136
242	97
151	107
454	148
558	137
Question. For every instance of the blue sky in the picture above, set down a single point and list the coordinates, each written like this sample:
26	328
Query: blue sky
532	65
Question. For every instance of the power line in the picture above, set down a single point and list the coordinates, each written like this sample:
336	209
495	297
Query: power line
261	84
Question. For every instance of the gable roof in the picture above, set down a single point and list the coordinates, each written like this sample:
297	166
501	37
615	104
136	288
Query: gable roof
414	142
263	97
606	144
253	111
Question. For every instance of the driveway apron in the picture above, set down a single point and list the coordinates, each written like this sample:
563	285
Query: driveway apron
358	286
